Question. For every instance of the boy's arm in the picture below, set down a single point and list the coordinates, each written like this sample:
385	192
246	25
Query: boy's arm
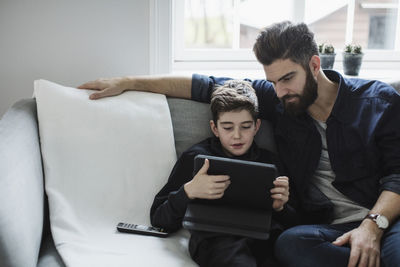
288	217
169	85
170	203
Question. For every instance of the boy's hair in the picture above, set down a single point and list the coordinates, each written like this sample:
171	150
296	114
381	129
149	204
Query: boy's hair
285	40
234	95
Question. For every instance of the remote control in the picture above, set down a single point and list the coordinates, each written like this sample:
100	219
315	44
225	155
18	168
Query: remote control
141	229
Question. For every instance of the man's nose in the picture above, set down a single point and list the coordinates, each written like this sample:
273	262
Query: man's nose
280	90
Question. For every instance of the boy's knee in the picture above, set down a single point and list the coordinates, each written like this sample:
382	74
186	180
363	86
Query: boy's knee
224	251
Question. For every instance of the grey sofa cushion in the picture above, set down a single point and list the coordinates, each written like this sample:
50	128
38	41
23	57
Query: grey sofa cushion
191	122
21	186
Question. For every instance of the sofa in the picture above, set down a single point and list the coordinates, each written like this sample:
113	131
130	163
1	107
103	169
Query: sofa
26	235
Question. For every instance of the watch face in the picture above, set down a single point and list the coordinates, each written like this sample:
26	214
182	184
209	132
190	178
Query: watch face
382	222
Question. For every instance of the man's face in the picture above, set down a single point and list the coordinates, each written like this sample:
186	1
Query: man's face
295	87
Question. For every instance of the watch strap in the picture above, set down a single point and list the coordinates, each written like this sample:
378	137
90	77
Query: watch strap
374	217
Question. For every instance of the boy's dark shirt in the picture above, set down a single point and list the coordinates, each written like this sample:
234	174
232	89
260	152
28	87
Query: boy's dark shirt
170	203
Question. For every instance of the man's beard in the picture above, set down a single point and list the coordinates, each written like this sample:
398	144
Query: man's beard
310	93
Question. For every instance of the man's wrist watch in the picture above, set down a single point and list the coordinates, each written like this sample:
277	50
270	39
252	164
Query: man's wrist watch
381	221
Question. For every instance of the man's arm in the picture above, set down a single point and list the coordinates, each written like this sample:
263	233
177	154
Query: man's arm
168	85
365	240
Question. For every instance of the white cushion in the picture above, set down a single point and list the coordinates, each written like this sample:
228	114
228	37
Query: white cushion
104	161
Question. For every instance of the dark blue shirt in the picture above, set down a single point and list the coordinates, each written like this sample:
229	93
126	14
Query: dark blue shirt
363	137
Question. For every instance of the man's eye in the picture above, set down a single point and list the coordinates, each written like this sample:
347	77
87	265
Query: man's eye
227	128
246	127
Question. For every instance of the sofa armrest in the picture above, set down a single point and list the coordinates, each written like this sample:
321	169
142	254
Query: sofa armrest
21	186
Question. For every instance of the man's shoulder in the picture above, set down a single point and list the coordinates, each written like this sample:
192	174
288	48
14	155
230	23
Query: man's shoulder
371	89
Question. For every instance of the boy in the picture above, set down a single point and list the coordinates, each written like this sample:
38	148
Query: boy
234	109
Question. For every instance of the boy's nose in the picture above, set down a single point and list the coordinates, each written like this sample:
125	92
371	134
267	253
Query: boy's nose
236	134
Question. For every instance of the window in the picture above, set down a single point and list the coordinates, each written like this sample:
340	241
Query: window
217	32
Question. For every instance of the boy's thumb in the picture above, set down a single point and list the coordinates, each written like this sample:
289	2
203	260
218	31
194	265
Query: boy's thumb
205	166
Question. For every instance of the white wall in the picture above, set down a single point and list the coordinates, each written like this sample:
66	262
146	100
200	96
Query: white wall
69	42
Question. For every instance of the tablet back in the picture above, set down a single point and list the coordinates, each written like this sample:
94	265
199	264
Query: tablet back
228	220
250	182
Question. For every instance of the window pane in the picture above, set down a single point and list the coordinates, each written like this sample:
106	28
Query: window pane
375	23
212	23
235	24
208	23
257	14
329	23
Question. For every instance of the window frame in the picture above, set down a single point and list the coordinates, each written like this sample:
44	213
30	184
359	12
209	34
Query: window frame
245	59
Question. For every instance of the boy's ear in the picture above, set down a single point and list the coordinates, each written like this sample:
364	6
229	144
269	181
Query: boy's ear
258	124
214	128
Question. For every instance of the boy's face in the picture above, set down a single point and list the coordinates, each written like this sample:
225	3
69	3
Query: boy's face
236	131
295	87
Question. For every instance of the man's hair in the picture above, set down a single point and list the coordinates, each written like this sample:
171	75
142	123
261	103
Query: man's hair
285	40
234	95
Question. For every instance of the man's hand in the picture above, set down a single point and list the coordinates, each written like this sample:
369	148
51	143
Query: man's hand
206	186
173	86
364	243
106	87
280	192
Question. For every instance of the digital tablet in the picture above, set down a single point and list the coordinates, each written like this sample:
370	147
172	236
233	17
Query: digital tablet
250	181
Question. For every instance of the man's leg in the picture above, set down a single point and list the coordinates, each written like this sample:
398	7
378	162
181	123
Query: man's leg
390	253
311	245
224	250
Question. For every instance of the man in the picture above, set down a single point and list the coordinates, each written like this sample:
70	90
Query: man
338	138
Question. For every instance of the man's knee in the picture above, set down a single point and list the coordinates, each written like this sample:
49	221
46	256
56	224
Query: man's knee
295	235
390	254
287	246
294	243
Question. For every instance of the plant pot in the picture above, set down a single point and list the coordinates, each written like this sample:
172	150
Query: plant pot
327	61
352	63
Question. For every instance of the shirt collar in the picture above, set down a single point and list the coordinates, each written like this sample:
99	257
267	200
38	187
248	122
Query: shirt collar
340	106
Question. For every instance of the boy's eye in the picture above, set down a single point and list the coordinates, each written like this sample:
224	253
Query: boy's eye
227	128
246	127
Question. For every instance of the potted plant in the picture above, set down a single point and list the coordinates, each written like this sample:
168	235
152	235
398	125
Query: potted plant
352	59
327	55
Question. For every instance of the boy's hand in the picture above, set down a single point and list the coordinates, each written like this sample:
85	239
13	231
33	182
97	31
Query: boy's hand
280	192
206	186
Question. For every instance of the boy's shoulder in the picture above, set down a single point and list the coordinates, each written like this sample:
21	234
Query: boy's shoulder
267	156
202	147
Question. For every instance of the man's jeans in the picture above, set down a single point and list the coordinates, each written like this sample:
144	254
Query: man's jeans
311	245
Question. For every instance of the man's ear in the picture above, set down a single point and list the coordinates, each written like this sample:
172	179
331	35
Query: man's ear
315	65
214	128
258	124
